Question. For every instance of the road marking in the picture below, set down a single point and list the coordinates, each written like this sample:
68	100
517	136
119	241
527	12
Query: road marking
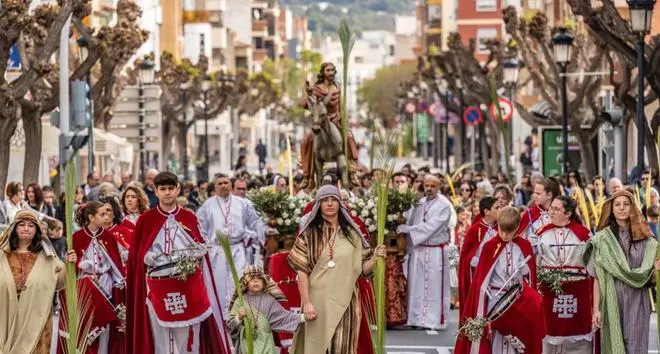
439	350
432	333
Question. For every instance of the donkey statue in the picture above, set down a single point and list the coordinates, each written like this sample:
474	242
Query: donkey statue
328	144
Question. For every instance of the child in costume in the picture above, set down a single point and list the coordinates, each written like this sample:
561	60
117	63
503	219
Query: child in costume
263	299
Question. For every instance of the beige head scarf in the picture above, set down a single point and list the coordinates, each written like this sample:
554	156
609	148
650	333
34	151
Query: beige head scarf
639	229
26	215
270	287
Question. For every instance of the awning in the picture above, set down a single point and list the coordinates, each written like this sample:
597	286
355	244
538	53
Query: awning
542	110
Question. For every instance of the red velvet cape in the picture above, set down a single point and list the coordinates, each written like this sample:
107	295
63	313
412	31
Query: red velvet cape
578	229
528	217
489	254
471	242
138	329
122	234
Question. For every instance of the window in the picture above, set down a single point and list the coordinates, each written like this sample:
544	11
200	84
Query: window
486	5
359	60
484	34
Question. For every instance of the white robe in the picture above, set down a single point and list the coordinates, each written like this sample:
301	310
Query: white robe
496	279
243	224
428	267
172	340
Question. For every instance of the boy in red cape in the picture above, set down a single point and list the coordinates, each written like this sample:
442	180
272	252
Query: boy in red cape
477	234
537	216
506	260
188	318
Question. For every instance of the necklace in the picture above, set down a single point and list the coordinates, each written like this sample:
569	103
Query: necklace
561	253
428	206
22	287
331	240
226	213
508	249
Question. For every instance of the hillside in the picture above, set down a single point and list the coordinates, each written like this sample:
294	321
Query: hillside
361	14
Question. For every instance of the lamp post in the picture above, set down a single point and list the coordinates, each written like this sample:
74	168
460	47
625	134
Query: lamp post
641	12
184	149
445	125
146	75
83	44
206	87
511	70
562	44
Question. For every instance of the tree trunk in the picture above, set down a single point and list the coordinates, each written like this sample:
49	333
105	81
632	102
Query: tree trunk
483	146
182	143
494	135
587	153
32	129
7	129
168	133
651	146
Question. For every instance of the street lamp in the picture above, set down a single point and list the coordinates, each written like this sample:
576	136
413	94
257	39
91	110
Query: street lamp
641	12
562	44
83	44
146	75
184	87
511	70
206	86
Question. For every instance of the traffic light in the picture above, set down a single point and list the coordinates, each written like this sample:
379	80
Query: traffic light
81	105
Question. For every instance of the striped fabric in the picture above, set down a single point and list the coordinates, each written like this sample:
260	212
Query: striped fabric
303	257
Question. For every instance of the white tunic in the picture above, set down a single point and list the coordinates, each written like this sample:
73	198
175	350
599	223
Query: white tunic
511	266
235	217
561	248
428	264
95	262
171	244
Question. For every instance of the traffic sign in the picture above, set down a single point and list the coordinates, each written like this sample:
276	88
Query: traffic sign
410	107
506	108
472	115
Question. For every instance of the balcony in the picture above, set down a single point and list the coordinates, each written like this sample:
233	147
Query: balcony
259	54
259	27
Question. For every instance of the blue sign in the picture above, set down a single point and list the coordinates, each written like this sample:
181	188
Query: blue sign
472	115
14	61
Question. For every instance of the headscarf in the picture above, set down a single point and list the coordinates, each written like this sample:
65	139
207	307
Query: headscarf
27	215
639	229
270	287
330	191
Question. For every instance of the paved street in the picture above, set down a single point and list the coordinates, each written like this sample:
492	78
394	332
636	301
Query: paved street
442	342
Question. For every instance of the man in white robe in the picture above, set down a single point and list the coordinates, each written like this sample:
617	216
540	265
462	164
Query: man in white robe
429	293
235	217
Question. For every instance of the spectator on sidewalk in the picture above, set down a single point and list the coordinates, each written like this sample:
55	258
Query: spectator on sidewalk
149	187
261	152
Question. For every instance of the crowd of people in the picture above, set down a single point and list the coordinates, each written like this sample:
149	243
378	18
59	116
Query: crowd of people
150	255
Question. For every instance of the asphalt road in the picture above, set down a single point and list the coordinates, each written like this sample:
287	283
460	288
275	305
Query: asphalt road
442	342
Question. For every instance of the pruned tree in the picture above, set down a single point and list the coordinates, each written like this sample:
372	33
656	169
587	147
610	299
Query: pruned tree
533	38
36	35
460	64
606	23
378	94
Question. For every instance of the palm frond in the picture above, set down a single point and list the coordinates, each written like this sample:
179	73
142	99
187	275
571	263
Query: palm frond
460	169
386	162
347	39
72	316
248	326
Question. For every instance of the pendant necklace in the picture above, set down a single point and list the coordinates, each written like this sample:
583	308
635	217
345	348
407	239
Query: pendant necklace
22	287
332	239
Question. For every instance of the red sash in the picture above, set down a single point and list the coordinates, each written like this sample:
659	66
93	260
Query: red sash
179	303
568	314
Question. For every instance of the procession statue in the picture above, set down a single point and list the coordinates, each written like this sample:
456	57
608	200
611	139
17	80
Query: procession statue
325	143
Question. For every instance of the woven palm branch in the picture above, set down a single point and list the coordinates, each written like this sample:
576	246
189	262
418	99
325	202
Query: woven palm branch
248	320
347	39
76	306
460	169
386	162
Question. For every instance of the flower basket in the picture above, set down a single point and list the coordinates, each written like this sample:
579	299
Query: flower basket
281	212
288	242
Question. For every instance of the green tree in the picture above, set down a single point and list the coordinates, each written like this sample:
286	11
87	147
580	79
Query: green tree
378	94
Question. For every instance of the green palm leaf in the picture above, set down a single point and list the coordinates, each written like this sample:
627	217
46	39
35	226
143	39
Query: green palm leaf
248	321
385	162
347	39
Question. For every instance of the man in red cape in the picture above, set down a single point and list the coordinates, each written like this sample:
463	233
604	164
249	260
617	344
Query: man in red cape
212	336
536	216
477	234
505	247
